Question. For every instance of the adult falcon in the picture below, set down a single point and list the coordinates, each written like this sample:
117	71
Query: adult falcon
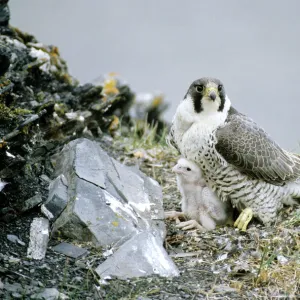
239	160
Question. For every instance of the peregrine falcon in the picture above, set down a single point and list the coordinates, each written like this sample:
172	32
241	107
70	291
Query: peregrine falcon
239	160
199	202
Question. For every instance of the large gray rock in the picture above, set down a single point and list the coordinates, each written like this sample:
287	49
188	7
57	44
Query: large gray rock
140	256
108	203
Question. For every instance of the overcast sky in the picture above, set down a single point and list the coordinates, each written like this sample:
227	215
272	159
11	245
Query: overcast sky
253	46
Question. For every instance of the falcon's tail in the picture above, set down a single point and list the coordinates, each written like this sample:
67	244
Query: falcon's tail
293	195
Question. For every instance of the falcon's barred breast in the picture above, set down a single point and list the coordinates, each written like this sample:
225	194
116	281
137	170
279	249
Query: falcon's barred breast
239	159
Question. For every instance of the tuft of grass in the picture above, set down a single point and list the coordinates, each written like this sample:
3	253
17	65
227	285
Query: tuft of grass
145	135
294	221
281	275
146	141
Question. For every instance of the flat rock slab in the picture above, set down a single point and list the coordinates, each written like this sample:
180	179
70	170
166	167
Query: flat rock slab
142	255
70	250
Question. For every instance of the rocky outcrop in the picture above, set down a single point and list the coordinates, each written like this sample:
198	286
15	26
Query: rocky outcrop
50	162
95	198
41	108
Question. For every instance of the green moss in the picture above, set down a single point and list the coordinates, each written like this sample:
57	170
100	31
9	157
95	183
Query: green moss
5	112
61	109
21	111
40	96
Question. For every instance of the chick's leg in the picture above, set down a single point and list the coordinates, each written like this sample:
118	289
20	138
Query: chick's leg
190	224
207	222
175	215
244	219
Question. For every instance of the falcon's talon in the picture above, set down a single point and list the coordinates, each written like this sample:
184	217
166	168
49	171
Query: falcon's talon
244	218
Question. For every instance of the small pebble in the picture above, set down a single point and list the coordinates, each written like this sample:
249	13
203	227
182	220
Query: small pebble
17	296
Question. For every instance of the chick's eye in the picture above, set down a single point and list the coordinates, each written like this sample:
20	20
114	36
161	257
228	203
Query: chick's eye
188	169
220	87
199	88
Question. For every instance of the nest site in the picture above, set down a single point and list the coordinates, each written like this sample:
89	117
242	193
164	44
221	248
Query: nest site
221	264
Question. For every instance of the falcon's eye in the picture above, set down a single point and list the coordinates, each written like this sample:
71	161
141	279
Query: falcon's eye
220	87
188	169
199	88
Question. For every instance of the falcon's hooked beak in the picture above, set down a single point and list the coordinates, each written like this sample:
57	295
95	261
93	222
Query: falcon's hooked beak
211	93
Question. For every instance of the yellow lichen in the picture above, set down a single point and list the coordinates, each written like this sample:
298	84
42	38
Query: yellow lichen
115	223
157	101
114	125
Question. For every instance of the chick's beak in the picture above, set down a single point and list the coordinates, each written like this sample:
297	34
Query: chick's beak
176	169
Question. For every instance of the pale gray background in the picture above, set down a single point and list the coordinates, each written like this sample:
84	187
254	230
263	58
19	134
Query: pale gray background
252	45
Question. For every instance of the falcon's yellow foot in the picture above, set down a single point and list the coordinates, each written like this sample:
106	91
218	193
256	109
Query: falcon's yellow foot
244	218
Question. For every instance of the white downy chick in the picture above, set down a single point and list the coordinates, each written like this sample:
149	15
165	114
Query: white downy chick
199	202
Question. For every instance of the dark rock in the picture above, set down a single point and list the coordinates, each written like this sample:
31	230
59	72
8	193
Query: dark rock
7	214
4	13
57	198
32	202
4	63
70	250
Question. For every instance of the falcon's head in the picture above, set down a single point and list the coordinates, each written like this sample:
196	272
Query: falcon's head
207	95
